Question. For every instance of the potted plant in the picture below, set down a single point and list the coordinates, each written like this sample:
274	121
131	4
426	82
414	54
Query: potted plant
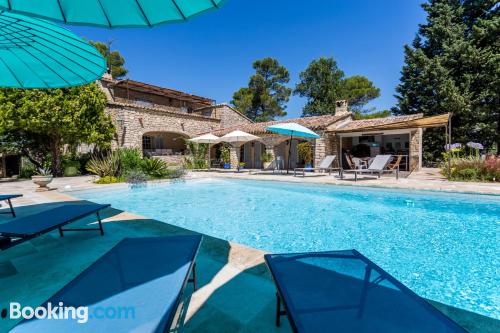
241	165
225	156
42	178
305	152
266	159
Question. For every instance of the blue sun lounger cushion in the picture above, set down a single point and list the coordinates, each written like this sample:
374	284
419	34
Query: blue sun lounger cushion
137	286
25	228
343	291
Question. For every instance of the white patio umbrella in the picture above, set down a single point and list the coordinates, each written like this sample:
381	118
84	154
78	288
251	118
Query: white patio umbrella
206	138
237	138
292	129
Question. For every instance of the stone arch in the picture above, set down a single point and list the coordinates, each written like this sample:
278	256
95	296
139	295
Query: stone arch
164	143
251	152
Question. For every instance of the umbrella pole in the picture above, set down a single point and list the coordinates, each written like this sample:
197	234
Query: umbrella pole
209	162
289	153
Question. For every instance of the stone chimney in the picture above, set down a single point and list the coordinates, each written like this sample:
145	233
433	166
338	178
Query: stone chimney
107	77
341	107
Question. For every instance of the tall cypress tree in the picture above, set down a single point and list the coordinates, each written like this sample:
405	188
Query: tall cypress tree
453	66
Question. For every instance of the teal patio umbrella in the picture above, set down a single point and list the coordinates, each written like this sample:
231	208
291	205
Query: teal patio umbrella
112	13
292	129
36	53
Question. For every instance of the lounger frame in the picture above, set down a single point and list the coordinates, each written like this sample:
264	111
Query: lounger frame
12	212
370	266
21	238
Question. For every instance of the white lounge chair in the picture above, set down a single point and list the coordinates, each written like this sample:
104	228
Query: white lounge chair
324	165
377	166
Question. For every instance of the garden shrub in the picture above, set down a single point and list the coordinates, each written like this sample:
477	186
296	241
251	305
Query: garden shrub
154	167
175	172
108	180
198	156
462	164
27	170
135	177
70	166
127	165
130	159
104	166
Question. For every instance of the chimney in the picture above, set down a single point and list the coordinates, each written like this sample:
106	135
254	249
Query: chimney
341	107
107	77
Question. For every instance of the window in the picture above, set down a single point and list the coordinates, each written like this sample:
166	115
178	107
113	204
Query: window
146	142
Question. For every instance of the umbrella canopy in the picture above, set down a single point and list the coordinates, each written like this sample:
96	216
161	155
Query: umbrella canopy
238	137
207	138
292	129
38	54
112	13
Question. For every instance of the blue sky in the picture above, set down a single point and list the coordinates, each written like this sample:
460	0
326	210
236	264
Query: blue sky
211	55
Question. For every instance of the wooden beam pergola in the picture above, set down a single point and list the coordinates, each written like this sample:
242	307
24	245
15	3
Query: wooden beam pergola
166	92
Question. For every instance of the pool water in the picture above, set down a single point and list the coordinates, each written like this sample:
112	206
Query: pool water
444	246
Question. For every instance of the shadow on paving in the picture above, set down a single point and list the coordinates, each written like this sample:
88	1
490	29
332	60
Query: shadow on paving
31	272
246	303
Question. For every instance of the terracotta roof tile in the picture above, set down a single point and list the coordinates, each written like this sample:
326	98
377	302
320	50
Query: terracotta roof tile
313	123
367	123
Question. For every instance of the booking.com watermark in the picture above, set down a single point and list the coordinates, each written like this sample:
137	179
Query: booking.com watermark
59	311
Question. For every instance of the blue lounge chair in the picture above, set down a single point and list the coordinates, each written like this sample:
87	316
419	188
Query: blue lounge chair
25	228
343	291
135	287
8	197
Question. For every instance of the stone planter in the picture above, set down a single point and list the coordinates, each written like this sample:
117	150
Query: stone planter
42	182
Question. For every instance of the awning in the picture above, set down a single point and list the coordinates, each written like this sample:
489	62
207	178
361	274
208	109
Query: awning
425	122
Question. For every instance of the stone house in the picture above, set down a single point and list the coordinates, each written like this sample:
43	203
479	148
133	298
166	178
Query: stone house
340	132
157	120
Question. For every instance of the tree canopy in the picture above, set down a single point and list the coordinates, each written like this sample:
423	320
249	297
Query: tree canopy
114	60
322	83
453	66
266	94
41	123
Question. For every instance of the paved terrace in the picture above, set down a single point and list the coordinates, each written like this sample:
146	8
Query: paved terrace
235	292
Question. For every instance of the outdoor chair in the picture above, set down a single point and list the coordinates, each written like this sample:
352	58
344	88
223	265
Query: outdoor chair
377	166
395	164
359	163
324	165
142	280
25	228
8	197
343	291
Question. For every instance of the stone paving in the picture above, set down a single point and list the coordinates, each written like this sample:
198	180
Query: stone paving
235	292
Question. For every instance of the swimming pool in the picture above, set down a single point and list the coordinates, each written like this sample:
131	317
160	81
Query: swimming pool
442	245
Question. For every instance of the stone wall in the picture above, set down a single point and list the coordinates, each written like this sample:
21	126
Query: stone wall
328	144
416	149
133	122
172	159
230	117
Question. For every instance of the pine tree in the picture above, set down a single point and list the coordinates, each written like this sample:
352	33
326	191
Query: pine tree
453	66
266	96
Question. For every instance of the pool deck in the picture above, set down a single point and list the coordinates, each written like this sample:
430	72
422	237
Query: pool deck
236	293
426	179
